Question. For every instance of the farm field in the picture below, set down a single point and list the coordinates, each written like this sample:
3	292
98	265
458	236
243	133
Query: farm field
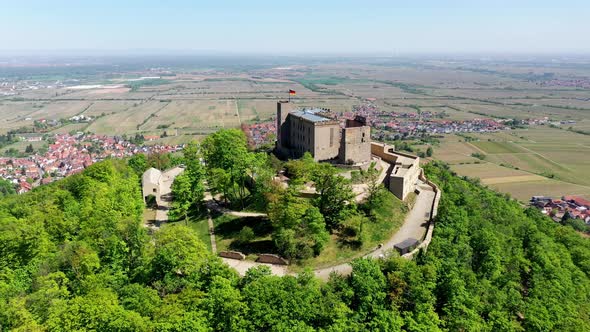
175	140
60	109
126	122
523	191
105	107
493	147
22	145
486	171
542	158
184	114
69	128
14	114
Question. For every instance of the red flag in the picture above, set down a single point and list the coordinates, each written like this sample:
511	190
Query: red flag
292	92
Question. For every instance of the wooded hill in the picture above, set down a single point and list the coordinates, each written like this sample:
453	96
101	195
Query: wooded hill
74	256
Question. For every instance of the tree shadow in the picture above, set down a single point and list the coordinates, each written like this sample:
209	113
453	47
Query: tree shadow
260	225
254	247
347	238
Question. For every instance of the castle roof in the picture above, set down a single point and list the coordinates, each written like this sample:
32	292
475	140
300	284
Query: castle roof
152	176
311	114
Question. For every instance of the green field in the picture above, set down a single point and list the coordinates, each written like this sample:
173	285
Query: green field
22	145
498	147
524	162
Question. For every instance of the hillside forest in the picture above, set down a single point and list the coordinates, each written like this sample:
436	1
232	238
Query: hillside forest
75	256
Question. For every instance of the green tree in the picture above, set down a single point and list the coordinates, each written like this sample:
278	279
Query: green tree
221	183
227	149
299	228
302	168
6	188
139	163
183	197
178	259
335	194
225	306
429	151
371	176
194	170
159	160
245	235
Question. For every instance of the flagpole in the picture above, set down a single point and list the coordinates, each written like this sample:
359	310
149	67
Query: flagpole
289	96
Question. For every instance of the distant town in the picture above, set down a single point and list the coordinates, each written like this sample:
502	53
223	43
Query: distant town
66	155
395	126
568	207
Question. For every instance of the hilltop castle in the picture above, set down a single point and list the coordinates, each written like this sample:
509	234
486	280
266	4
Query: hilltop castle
316	131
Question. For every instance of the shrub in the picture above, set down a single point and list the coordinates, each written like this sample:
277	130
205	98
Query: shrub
245	235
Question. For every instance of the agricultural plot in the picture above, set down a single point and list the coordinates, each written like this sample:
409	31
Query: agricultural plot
504	92
175	140
498	147
100	107
72	127
415	101
126	122
569	103
334	104
14	114
534	157
255	110
523	191
453	151
583	124
195	114
486	171
491	110
60	109
22	145
452	114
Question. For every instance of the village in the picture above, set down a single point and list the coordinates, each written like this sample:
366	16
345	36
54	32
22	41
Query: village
66	155
406	125
572	207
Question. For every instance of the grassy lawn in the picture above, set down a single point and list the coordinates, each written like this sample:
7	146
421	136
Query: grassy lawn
389	216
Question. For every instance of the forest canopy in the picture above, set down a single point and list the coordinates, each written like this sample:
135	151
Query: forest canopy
74	256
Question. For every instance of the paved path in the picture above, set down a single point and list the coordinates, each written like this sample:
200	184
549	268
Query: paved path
243	266
212	233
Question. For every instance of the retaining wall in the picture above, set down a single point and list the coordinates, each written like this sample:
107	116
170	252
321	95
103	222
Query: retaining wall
233	255
272	259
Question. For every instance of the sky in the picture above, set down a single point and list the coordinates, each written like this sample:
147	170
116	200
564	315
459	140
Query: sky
297	27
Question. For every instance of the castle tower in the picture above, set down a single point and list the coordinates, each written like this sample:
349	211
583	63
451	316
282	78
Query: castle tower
283	109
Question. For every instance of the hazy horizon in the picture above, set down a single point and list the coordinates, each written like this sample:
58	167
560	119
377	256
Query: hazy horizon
370	28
